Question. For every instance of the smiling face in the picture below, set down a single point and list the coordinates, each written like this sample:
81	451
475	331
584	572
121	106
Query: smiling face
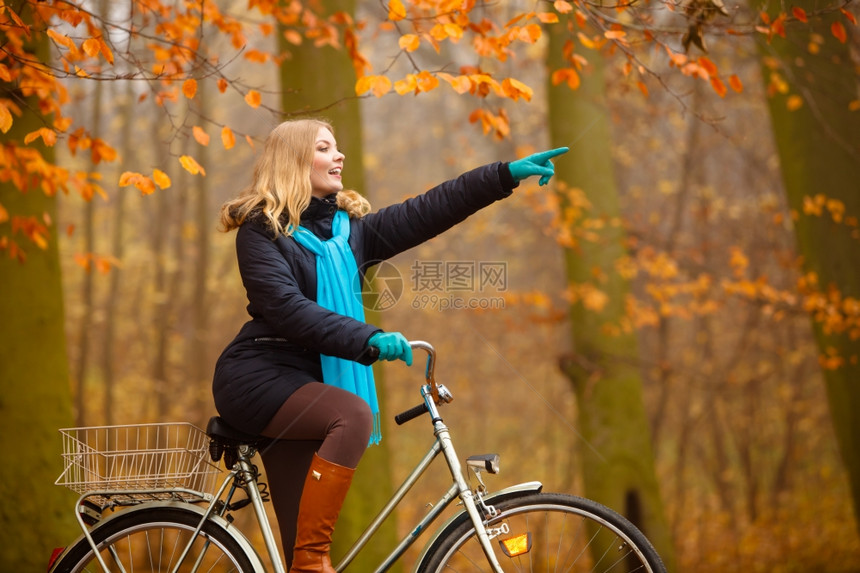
327	165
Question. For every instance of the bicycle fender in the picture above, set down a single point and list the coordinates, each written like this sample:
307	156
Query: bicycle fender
517	490
237	535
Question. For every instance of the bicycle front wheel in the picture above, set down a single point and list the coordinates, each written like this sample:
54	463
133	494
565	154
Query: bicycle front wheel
543	532
152	540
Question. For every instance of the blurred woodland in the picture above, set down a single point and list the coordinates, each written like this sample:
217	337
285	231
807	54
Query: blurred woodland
717	312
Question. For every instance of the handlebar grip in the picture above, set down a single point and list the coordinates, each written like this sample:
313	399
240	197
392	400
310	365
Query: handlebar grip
410	414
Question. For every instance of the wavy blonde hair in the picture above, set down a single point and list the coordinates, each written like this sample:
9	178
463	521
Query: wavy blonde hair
281	183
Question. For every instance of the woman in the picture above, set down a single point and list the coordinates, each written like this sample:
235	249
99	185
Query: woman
299	370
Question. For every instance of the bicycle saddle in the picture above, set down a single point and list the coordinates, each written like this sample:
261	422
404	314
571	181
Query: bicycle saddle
219	430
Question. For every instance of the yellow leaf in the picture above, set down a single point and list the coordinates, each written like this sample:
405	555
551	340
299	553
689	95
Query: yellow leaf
5	118
253	99
189	88
548	17
228	140
161	179
381	85
409	42
396	10
363	85
406	85
453	31
191	165
201	136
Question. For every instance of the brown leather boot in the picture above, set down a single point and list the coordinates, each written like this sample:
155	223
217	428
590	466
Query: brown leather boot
325	489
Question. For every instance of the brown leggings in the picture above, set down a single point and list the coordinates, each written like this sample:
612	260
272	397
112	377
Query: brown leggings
317	418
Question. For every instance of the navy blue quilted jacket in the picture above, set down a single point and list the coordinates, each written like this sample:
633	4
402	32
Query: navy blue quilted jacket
278	349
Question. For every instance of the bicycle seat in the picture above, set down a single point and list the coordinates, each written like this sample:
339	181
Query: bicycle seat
222	432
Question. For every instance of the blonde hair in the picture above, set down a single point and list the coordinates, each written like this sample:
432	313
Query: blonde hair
281	183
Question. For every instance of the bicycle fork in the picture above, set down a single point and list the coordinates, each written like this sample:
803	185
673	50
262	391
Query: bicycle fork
466	495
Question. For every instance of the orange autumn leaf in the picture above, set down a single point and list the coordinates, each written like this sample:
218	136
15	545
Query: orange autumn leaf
142	182
427	81
548	17
378	85
516	89
222	85
161	178
396	10
614	34
568	75
91	47
189	88
409	42
253	99
794	102
406	85
228	140
848	15
709	66
257	56
58	38
200	136
190	165
799	13
49	137
735	83
562	6
461	84
838	30
719	86
642	87
5	118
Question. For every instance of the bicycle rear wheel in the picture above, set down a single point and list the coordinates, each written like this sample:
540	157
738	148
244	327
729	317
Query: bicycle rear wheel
152	540
542	532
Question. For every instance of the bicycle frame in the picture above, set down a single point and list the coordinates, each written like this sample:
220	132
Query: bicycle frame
243	476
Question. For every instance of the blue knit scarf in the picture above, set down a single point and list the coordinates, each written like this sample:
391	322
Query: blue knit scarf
338	282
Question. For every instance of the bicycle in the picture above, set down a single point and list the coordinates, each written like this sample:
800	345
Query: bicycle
160	477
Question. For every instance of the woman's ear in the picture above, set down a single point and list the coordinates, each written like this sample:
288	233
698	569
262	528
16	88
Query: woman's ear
353	203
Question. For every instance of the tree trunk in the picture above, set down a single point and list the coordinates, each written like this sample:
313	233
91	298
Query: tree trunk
819	150
618	465
36	399
312	78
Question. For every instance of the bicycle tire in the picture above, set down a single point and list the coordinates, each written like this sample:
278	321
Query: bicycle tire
151	540
560	532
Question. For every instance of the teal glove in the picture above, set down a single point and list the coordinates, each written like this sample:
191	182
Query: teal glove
392	346
537	164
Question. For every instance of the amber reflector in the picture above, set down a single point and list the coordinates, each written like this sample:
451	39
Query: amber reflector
518	545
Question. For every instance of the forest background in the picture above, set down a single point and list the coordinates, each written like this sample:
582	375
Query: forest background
666	316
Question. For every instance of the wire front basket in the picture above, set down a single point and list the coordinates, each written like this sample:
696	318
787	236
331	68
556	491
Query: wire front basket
138	462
